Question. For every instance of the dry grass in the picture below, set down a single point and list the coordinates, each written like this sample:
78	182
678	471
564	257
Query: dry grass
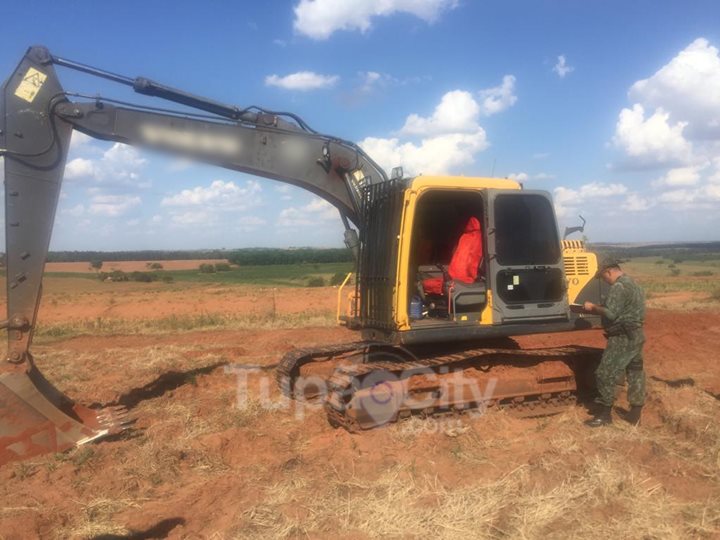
565	492
606	498
691	418
181	323
96	519
494	477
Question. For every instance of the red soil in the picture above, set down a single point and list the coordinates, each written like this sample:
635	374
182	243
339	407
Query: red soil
221	473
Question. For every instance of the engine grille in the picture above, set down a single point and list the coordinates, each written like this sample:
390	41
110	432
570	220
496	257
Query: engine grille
576	265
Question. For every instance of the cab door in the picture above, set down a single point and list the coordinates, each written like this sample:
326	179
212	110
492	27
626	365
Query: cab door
524	258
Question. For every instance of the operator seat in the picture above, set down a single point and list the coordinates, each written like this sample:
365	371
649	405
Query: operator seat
465	261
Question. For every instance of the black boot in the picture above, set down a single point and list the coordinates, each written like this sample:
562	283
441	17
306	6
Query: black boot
633	416
603	417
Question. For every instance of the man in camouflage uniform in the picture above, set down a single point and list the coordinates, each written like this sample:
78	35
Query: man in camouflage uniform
622	316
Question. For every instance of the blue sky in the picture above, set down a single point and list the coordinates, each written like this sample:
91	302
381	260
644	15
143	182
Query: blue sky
613	106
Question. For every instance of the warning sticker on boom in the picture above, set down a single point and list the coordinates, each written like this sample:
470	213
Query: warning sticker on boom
31	84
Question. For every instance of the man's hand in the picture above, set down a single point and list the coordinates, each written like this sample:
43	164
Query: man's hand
590	307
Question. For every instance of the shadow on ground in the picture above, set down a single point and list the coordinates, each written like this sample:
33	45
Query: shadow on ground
166	382
159	530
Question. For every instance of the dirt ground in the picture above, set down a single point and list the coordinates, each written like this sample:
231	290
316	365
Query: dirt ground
208	459
71	300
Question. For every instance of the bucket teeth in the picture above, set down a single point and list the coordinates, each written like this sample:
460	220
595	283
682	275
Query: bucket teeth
114	419
36	418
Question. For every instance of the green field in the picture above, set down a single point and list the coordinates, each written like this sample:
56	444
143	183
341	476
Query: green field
657	274
663	275
278	275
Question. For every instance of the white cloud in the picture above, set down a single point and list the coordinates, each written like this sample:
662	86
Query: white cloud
524	177
713	192
700	197
193	217
714	178
219	195
568	200
684	129
689	87
302	81
119	164
449	139
112	205
79	140
285	192
124	156
317	211
651	141
76	211
457	112
519	177
251	221
318	19
440	154
681	137
598	189
682	176
561	67
636	203
499	98
80	168
681	197
372	79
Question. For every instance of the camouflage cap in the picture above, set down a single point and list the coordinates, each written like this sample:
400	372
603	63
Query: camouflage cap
607	262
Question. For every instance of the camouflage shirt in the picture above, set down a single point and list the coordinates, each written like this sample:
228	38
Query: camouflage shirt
625	304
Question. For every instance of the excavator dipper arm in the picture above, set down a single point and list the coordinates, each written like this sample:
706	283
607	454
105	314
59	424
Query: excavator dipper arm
36	122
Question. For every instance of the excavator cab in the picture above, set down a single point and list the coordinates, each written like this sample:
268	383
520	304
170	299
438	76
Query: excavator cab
428	273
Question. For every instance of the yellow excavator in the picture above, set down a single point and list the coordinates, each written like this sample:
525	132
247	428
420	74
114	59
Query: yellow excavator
448	269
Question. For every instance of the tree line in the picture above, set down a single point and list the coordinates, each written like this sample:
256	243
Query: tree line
688	251
243	257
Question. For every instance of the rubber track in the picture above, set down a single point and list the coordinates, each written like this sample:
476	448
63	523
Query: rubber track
288	370
340	385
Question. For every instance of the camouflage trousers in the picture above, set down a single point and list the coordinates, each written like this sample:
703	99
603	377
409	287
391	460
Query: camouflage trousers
622	357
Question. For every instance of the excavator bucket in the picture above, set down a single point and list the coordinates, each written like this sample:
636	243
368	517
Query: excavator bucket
36	418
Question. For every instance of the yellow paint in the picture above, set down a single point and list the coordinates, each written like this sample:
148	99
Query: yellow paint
580	267
339	300
486	317
418	186
30	85
462	182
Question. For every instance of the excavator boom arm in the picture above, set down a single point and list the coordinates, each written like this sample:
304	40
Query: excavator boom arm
37	118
